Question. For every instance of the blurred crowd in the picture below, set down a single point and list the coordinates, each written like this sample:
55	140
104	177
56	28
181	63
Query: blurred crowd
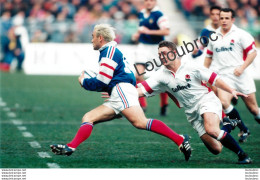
69	20
247	12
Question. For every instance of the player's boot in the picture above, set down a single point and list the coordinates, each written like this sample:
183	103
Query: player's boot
185	147
163	110
232	122
61	149
244	159
243	136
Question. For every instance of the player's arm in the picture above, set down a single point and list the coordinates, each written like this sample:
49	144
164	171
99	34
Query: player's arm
222	85
159	32
249	59
207	62
164	27
105	75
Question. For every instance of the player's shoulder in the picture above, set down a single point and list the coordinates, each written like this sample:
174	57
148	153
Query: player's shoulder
157	12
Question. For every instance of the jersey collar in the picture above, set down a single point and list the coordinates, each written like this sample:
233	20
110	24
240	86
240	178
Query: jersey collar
112	43
144	11
232	29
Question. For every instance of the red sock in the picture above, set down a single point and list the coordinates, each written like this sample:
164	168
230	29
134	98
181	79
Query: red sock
142	100
223	114
164	99
159	127
82	134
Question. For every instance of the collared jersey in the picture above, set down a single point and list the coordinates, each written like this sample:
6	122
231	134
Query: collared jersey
185	87
230	50
154	21
113	69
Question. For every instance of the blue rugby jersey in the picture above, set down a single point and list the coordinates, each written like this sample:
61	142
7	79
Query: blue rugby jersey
155	21
113	69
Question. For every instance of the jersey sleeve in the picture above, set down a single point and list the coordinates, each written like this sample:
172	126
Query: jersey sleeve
205	74
106	71
151	86
248	43
163	22
209	50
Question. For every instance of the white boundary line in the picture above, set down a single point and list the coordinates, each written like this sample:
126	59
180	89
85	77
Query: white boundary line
19	124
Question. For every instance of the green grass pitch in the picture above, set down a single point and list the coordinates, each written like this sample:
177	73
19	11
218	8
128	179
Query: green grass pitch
51	108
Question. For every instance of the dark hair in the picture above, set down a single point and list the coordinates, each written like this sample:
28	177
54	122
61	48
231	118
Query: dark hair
167	44
215	7
233	14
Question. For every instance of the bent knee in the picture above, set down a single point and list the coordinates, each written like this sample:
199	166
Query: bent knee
87	118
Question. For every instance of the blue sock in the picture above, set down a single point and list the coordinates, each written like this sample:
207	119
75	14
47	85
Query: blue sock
227	128
229	142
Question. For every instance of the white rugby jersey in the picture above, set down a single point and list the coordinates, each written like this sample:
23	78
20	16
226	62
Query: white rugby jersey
185	87
231	50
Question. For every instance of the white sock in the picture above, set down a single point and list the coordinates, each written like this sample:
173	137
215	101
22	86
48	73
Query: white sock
258	115
220	135
229	109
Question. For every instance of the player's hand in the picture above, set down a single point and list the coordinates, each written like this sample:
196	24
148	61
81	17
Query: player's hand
81	77
105	95
238	71
143	30
236	94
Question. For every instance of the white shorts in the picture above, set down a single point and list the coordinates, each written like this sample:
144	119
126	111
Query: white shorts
243	83
123	96
208	103
145	53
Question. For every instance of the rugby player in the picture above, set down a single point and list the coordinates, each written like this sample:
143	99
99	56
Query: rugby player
153	26
229	56
184	84
118	81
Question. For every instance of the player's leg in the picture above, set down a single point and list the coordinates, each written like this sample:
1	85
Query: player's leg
252	106
214	146
140	78
100	113
164	103
211	124
136	117
229	110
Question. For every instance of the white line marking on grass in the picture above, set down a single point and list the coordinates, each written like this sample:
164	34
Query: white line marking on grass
2	103
11	114
27	134
44	155
6	109
21	128
17	122
34	144
53	165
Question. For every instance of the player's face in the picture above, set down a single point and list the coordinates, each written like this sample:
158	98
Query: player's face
214	16
226	20
95	41
165	59
149	4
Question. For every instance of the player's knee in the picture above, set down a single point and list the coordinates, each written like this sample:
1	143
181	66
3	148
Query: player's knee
225	104
86	118
212	132
254	110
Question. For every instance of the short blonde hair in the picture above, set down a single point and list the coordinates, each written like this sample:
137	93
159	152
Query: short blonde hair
106	31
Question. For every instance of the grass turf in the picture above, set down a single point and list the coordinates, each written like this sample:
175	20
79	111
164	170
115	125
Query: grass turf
51	108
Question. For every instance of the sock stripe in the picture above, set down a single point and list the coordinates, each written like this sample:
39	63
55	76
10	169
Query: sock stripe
86	123
149	124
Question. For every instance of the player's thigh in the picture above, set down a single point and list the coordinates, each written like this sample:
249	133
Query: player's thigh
212	144
251	103
225	98
101	113
211	123
135	116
